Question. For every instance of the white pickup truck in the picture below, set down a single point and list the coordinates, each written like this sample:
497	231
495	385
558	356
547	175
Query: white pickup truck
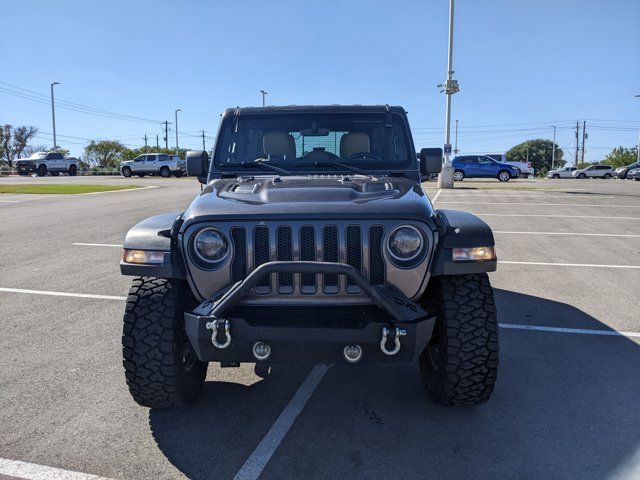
526	168
53	163
154	163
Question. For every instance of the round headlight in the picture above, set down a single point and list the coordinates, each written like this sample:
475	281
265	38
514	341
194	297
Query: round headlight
405	243
210	245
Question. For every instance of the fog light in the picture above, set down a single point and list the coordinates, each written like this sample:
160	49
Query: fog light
475	254
261	351
352	353
149	257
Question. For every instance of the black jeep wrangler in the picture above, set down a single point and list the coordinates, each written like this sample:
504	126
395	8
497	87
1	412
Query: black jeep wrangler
311	241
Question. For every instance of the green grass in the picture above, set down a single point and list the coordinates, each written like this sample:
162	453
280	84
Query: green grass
59	189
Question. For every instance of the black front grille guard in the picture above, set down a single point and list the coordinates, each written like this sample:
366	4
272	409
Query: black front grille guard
399	307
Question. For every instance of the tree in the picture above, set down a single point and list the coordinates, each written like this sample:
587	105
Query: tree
104	153
539	152
31	149
13	141
621	156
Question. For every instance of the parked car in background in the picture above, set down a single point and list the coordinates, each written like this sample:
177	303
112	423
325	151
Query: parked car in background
42	163
621	172
564	172
634	174
526	168
154	163
594	171
481	166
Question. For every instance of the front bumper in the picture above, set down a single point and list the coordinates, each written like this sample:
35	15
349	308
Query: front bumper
311	335
28	168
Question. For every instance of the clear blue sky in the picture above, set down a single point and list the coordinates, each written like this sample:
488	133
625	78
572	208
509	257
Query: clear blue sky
522	65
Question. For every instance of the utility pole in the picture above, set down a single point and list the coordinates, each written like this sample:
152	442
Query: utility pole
145	139
264	94
157	141
203	147
455	148
584	137
553	151
176	113
53	115
166	135
445	179
577	142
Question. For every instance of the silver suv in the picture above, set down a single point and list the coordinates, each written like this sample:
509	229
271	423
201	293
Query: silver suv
152	164
594	171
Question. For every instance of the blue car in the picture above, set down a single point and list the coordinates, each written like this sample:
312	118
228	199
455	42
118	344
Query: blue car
479	166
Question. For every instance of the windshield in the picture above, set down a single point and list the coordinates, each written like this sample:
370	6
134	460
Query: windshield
303	142
38	155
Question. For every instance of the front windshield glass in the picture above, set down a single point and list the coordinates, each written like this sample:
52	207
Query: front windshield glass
303	142
38	155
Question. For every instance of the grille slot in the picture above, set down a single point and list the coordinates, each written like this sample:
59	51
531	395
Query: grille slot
308	253
354	253
262	255
331	254
376	261
239	265
285	253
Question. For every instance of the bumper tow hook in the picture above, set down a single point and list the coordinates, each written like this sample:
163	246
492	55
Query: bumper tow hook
216	326
383	343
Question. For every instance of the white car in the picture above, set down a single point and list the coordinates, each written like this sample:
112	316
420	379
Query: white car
594	171
526	168
561	172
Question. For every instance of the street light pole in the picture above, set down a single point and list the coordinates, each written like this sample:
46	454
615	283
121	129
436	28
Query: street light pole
445	179
638	152
553	151
176	113
264	94
53	115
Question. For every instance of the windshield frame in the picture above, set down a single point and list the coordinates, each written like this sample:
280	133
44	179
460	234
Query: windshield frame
409	167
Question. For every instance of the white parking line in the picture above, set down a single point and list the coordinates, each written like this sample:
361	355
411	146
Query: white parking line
568	233
98	244
253	467
9	201
61	294
550	264
435	197
120	191
580	331
33	471
547	204
551	216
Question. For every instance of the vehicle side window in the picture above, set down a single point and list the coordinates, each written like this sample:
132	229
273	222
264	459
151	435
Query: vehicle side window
140	158
163	158
55	156
485	160
151	158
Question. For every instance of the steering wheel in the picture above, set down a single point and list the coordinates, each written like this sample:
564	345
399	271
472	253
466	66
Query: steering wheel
320	155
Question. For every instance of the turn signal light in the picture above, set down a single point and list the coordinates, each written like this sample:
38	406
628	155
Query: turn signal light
149	257
475	254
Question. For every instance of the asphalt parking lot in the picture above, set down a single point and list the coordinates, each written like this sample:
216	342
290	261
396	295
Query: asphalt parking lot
565	405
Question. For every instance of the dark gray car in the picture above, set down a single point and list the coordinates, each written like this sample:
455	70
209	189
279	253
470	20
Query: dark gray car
312	241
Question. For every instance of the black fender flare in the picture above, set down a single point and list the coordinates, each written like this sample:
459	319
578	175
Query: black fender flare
459	229
157	233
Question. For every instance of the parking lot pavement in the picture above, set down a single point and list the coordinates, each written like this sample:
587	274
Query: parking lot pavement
565	405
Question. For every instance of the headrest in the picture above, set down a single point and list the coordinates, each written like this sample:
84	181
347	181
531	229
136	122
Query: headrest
278	144
355	142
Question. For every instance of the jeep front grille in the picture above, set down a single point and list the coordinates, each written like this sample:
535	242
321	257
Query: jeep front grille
357	245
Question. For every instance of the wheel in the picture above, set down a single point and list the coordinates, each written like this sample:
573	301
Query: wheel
165	172
72	171
555	175
458	175
582	176
504	176
460	364
42	170
178	174
161	368
141	175
607	176
126	172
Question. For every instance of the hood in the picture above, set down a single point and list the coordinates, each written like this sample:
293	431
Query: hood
308	196
22	161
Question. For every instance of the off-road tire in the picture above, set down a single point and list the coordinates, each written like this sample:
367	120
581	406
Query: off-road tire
72	171
165	172
42	170
126	172
160	367
460	364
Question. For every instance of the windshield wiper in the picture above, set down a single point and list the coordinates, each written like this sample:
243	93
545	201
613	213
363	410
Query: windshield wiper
341	165
261	162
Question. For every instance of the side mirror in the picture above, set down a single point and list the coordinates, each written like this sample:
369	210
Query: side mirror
430	161
198	164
